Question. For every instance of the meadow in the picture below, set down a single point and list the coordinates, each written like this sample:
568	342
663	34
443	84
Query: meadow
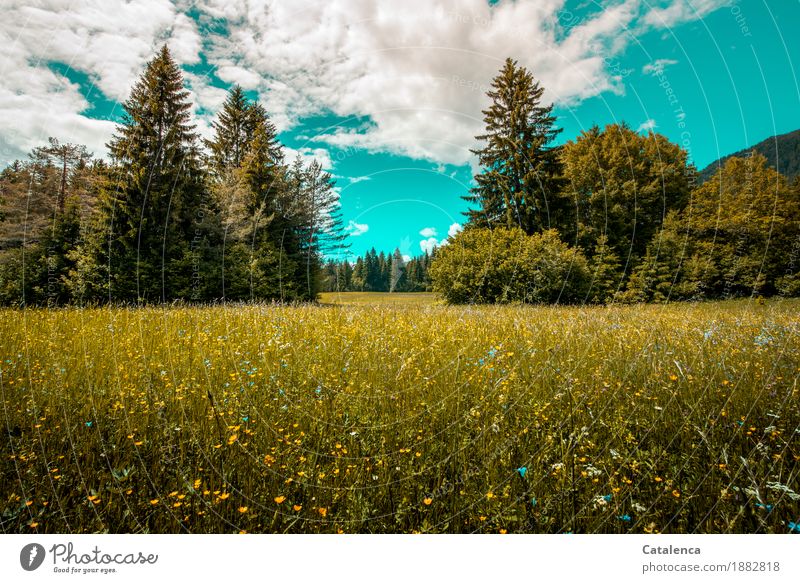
401	417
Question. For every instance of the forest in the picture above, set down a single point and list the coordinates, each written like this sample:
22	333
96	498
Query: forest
614	215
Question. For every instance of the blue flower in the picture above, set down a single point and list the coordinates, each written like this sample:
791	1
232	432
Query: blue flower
767	507
522	471
794	526
88	424
533	501
607	497
245	419
624	517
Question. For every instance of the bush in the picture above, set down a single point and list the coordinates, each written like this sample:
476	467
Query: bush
506	265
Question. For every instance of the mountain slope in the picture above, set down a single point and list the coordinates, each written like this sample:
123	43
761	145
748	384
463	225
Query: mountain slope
782	152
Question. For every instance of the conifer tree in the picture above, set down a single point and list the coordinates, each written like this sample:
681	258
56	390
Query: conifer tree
397	271
155	204
519	179
234	130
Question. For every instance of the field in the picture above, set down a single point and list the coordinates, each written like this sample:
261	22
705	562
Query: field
401	416
373	298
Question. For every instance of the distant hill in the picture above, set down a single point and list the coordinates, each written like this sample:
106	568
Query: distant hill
782	152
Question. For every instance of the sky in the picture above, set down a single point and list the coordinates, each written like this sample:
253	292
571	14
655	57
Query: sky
388	95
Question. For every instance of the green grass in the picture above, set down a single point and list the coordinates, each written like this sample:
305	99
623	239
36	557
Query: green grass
382	418
381	298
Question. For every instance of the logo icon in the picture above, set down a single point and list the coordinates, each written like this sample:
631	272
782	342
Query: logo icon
31	556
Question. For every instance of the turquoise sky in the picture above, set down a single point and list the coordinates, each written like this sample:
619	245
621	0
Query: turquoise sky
720	77
735	83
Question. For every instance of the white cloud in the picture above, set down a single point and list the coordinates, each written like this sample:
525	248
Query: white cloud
357	179
406	258
429	244
355	229
679	11
454	229
233	74
647	126
321	155
657	66
417	70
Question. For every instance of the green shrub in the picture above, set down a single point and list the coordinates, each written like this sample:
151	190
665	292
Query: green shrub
506	265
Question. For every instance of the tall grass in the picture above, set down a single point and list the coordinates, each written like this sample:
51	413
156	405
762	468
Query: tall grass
394	418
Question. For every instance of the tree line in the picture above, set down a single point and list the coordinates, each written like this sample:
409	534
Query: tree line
170	216
379	272
612	216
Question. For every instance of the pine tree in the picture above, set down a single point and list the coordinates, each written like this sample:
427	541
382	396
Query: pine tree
66	157
519	180
319	216
397	271
155	205
234	130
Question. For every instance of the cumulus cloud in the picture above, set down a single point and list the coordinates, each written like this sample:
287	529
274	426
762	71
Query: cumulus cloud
679	11
657	66
419	70
415	72
321	155
429	244
355	229
109	41
647	126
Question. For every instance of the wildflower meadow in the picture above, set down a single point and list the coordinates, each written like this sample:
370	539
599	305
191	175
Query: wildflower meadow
401	417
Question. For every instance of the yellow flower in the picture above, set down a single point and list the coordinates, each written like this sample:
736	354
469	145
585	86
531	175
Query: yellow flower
279	499
427	501
297	507
489	495
676	494
233	438
503	531
224	496
323	512
242	509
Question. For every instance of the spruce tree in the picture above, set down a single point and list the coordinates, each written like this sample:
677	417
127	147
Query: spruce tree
519	179
397	271
155	210
233	132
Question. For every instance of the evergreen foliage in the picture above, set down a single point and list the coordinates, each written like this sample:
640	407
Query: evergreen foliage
520	170
613	216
